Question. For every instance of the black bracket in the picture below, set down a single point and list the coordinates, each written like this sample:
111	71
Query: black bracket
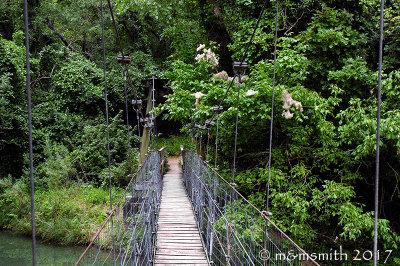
126	59
209	124
137	104
218	109
241	66
199	126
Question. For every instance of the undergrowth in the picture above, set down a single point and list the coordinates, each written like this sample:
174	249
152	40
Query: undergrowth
174	143
64	215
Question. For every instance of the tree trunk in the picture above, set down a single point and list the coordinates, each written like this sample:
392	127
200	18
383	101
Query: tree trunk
213	22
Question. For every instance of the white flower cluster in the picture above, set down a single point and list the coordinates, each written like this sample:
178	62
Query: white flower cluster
207	55
288	102
198	95
224	75
251	93
221	75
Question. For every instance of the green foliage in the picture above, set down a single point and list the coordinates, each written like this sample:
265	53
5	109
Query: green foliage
59	219
13	113
323	156
174	144
315	180
58	170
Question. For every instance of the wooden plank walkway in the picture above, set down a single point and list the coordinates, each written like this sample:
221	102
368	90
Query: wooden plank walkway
178	239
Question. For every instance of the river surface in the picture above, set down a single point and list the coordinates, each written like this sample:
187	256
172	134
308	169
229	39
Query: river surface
17	250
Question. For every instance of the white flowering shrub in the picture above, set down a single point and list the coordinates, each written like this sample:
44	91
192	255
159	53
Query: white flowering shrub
206	55
287	103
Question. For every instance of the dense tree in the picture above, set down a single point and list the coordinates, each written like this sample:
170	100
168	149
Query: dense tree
324	140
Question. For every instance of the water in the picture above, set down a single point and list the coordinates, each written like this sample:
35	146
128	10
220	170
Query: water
17	250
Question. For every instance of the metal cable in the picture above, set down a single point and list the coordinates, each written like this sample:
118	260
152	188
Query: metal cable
237	243
378	136
135	215
107	123
201	141
244	54
121	48
127	121
138	124
236	129
208	142
254	32
153	118
29	96
272	105
216	144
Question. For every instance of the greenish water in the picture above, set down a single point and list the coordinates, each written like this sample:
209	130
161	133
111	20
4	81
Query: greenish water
17	250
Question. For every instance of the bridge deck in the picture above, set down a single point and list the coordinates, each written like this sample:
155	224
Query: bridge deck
178	238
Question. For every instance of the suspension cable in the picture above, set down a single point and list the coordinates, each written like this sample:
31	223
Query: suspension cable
244	54
153	117
107	124
233	79
378	136
236	129
254	32
29	96
208	141
216	144
127	120
272	104
121	48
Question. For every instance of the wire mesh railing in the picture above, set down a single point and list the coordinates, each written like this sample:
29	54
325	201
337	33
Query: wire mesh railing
234	231
128	235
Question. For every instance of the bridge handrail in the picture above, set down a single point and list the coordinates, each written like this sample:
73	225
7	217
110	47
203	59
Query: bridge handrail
112	212
262	214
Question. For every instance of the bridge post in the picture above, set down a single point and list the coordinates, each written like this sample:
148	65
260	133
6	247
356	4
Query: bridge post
212	202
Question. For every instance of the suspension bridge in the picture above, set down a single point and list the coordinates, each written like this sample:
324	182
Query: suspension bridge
191	215
188	217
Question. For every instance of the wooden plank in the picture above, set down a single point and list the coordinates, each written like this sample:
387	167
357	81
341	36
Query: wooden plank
181	262
177	246
192	242
178	238
174	234
174	257
166	251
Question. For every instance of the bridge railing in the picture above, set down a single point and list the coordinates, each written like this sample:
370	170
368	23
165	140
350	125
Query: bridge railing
233	231
128	235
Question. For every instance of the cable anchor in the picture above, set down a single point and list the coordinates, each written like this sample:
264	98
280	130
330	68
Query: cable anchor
137	104
266	213
218	109
125	60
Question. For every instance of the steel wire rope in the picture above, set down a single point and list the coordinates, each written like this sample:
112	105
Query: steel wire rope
244	56
138	112
29	98
223	216
127	120
131	182
107	125
272	105
378	134
120	46
259	211
233	79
